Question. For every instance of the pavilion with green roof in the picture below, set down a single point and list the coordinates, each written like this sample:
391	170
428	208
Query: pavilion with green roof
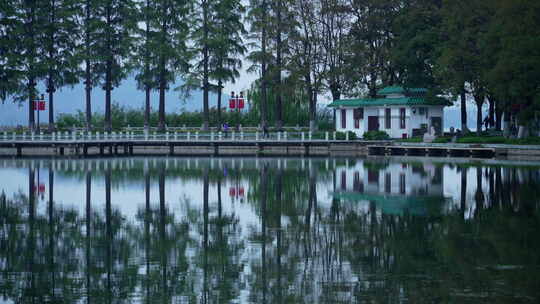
400	112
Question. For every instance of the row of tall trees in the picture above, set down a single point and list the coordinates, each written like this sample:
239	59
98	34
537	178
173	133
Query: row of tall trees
101	42
478	50
482	50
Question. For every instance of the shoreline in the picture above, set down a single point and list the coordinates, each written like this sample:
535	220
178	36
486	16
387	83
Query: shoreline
348	149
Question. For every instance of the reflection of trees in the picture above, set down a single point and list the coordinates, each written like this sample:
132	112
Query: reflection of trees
302	249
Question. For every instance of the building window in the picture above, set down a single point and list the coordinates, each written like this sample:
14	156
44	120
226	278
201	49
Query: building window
387	118
358	114
344	119
402	118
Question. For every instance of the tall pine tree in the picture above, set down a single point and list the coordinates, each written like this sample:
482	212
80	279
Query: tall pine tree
114	26
59	36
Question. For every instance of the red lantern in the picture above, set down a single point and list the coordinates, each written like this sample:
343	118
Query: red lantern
241	191
232	103
41	188
241	101
232	192
39	105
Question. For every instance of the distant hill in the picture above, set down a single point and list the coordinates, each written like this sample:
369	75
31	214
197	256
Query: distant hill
70	100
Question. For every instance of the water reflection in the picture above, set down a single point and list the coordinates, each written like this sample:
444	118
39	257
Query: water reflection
174	230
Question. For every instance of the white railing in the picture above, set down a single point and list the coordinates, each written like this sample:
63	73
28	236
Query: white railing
168	136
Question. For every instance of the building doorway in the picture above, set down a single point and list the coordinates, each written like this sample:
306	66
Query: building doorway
436	123
373	123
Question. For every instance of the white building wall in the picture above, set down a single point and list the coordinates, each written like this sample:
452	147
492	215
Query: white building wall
413	119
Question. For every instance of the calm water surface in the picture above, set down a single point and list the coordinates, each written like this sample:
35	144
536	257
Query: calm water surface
203	230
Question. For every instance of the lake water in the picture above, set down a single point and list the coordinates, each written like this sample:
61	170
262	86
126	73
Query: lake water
269	230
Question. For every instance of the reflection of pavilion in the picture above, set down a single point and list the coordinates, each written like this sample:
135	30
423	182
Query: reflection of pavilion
395	188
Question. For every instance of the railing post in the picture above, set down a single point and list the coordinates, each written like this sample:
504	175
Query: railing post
14	135
40	135
155	135
334	135
347	136
23	135
303	136
175	135
212	136
167	135
242	135
219	135
233	135
279	136
285	135
145	134
32	137
196	135
73	135
310	135
188	135
326	136
5	135
257	135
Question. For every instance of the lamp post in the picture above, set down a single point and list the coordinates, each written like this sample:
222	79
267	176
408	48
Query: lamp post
236	103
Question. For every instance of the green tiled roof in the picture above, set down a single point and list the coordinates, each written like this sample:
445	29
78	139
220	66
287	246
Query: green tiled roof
401	90
370	102
398	204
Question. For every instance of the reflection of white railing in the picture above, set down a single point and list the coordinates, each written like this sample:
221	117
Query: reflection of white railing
168	136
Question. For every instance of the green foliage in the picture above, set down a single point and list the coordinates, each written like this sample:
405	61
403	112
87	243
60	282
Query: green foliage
375	135
482	140
442	140
343	135
417	139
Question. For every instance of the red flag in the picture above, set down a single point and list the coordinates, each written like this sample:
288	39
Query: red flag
232	192
41	105
241	103
232	103
241	191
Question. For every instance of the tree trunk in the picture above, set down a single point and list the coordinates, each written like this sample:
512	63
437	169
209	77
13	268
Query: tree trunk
279	105
264	102
88	90
88	75
479	117
336	95
108	89
162	84
498	116
147	110
31	97
313	112
108	74
51	91
492	102
463	97
219	94
206	119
